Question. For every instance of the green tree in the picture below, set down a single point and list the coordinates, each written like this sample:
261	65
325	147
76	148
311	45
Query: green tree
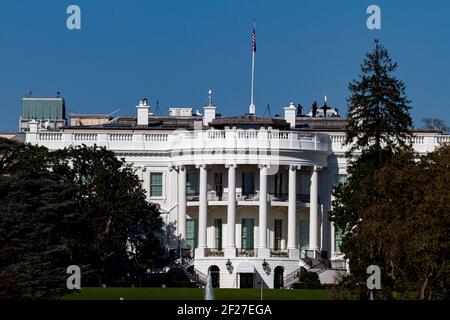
378	128
379	125
78	206
117	230
378	107
35	201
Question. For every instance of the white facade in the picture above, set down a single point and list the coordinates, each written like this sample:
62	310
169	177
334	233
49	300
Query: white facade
253	202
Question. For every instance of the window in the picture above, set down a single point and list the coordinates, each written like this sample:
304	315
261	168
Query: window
156	187
248	183
218	184
278	184
247	234
338	235
192	184
278	232
191	233
304	235
218	233
305	184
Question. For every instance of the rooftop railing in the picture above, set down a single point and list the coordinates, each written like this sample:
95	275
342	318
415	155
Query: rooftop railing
258	141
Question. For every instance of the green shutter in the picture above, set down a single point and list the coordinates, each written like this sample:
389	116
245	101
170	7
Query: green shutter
248	183
247	234
218	233
338	235
305	184
304	234
192	184
278	234
156	186
191	233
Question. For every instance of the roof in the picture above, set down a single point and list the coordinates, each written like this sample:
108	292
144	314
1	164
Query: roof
249	121
321	124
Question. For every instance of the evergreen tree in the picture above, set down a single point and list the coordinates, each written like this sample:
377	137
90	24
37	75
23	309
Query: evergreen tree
378	128
378	107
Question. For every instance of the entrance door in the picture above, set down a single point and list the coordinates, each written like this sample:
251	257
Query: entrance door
278	278
246	280
215	276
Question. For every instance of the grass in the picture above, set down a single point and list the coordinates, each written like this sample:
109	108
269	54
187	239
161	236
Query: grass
194	294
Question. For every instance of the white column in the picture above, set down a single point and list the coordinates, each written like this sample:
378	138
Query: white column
230	249
263	249
202	212
314	210
182	205
292	213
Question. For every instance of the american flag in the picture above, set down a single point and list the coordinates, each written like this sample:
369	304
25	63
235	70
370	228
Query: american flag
254	39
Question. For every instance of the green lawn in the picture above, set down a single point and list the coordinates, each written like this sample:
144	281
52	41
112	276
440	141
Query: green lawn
193	294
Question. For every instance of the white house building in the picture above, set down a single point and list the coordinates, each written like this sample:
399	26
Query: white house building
247	198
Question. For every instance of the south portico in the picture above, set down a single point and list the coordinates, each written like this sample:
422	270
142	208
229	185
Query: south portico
235	204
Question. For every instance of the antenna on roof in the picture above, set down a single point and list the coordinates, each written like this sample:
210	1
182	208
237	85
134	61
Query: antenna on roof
112	113
210	101
29	94
58	94
157	107
267	110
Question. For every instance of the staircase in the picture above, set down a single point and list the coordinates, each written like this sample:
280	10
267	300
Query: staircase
291	278
315	261
198	277
186	262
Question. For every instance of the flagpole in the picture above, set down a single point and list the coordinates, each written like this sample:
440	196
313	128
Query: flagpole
252	108
252	105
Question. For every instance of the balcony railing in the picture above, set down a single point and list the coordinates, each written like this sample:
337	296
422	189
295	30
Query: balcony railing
284	197
214	253
275	197
247	253
279	253
229	140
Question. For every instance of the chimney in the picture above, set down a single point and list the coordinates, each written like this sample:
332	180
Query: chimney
33	126
142	113
209	111
290	114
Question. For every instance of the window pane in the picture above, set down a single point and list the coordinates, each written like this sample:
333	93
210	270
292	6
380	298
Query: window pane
278	184
191	233
338	239
248	183
305	184
218	233
278	232
247	234
156	184
304	234
192	184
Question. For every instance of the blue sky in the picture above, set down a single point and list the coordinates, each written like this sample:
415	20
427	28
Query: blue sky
174	51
